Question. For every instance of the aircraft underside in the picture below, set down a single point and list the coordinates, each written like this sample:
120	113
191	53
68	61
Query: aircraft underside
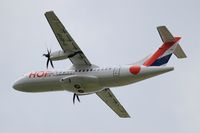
85	78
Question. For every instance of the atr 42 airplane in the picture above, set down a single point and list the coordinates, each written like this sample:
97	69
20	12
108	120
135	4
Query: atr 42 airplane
84	78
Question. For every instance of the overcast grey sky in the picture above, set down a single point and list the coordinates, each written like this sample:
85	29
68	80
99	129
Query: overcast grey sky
110	32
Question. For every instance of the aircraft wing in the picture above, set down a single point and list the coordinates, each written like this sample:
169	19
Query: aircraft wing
65	40
108	97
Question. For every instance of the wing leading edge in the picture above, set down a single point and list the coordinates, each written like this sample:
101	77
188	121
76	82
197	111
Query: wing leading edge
65	40
108	97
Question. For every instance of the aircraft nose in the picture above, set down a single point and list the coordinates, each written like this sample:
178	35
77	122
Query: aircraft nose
18	85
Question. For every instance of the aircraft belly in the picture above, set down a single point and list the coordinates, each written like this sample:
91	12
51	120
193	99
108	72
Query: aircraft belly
81	84
44	88
81	89
41	85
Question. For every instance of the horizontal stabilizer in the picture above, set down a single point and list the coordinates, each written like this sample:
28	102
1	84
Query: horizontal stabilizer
179	52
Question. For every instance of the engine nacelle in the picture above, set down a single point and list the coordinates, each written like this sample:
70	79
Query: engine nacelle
59	55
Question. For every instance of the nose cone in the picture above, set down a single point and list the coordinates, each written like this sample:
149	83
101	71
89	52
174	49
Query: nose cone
15	85
18	85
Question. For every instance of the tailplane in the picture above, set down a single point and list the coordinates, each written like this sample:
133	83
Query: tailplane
170	46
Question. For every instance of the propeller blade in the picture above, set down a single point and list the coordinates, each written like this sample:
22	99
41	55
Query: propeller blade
48	52
74	97
78	98
51	63
47	63
48	55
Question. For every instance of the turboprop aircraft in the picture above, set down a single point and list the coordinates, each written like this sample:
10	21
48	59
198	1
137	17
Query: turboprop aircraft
85	78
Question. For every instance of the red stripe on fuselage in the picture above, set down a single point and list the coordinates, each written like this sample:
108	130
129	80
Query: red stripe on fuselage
160	51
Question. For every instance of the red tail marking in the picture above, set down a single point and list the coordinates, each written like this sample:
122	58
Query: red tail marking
160	51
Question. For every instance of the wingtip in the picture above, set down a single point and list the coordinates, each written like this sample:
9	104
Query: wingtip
161	26
125	116
51	11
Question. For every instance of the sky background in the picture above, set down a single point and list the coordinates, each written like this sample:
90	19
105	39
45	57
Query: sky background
110	32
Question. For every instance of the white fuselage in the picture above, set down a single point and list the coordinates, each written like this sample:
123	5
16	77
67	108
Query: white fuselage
86	80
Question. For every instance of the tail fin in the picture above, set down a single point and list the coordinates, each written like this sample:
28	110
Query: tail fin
170	46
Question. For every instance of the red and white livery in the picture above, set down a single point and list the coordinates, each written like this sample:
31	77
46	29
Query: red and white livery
85	78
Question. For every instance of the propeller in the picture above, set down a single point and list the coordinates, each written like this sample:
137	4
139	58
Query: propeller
75	96
48	58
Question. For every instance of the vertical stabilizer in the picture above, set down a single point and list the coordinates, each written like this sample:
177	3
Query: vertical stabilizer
170	46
